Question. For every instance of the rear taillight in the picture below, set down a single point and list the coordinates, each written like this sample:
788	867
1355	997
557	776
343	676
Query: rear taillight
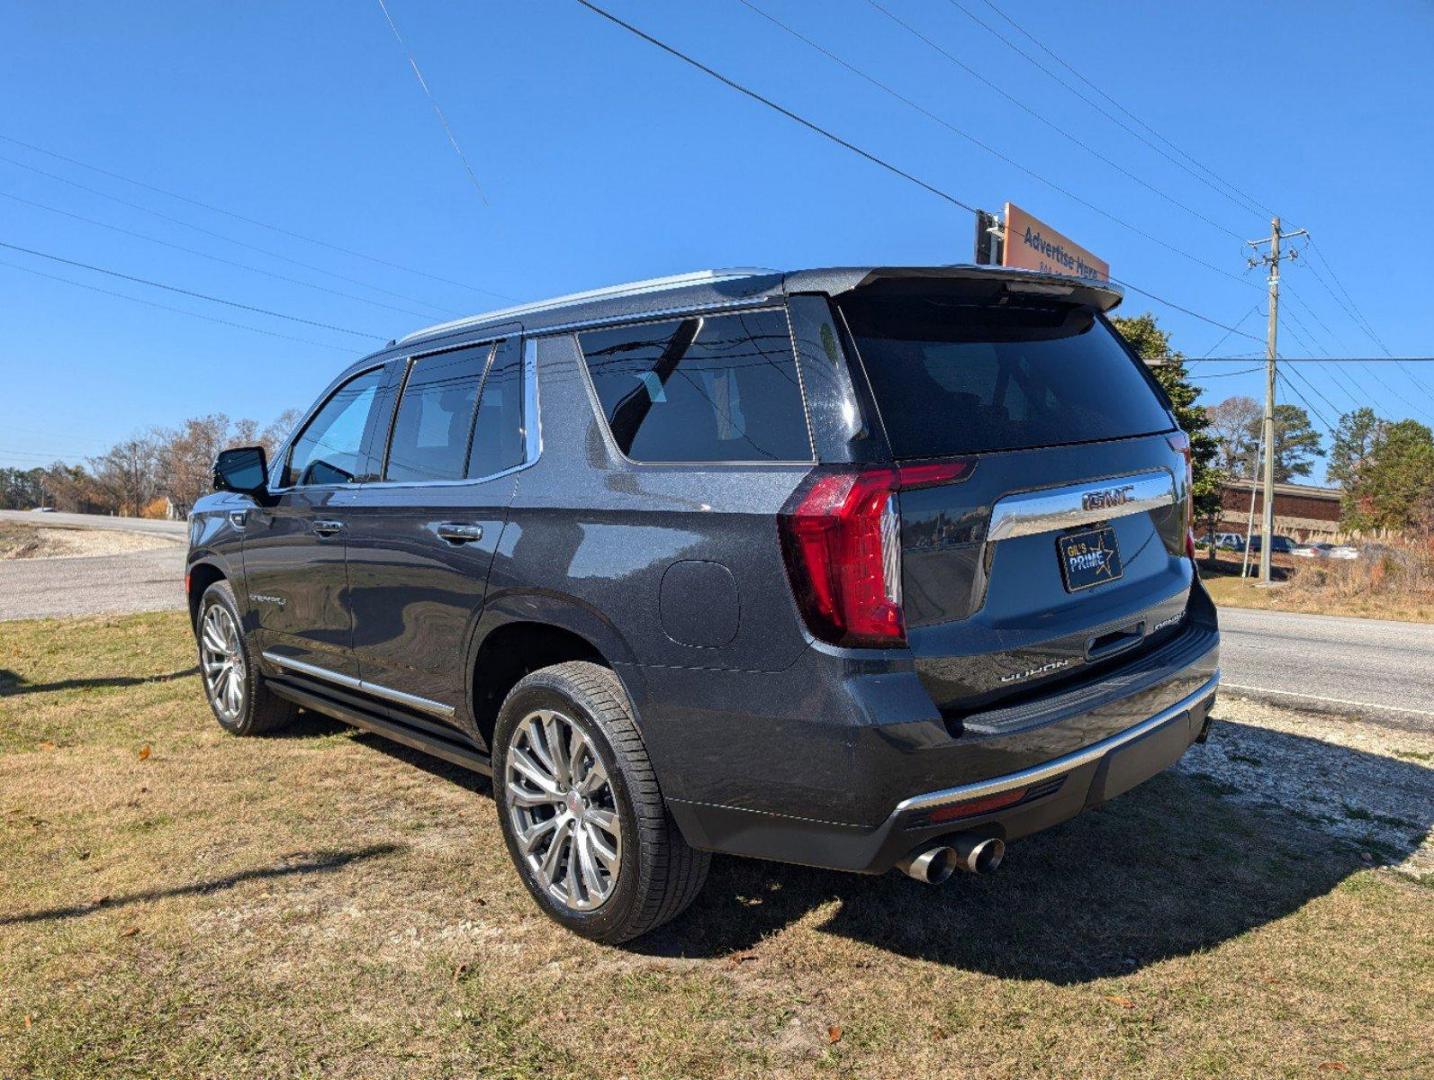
1180	443
841	537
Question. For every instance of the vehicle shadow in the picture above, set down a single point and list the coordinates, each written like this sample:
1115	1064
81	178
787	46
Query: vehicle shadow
13	684
320	862
1171	868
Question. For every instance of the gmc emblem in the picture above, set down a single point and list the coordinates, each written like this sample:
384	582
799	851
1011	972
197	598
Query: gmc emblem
1107	498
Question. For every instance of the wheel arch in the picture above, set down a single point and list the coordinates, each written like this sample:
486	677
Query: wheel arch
522	632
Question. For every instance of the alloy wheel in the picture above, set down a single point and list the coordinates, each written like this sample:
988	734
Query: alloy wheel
221	655
563	811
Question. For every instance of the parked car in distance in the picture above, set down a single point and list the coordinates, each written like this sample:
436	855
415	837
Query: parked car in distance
1344	551
1310	551
860	568
42	510
1230	541
1280	545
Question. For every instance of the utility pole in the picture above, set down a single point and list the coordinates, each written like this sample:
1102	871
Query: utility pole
1272	260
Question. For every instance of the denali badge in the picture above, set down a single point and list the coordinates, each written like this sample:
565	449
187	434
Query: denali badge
261	598
1107	498
1054	665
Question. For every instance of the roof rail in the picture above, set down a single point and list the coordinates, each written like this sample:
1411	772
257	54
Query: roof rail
611	292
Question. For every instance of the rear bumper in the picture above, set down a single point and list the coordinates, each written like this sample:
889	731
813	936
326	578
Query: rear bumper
1045	795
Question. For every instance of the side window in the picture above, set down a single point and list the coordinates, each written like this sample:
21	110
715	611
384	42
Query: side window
435	416
704	388
328	451
498	437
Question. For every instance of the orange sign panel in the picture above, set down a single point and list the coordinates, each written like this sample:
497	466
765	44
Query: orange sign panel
1031	244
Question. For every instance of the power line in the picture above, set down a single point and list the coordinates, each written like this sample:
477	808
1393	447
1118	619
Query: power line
1244	201
210	232
207	255
1313	411
1041	117
999	155
437	110
1179	307
188	292
168	307
1223	374
254	221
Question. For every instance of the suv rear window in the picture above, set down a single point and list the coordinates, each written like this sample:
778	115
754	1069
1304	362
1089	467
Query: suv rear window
704	388
956	373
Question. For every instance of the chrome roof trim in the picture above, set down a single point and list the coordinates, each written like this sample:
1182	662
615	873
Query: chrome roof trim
611	292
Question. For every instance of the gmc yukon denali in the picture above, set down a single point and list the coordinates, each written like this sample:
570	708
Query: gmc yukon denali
862	568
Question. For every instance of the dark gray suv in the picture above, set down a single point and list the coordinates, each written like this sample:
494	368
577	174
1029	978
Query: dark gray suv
858	568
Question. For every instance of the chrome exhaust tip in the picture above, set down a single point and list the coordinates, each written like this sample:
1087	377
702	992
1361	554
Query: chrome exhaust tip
932	866
979	854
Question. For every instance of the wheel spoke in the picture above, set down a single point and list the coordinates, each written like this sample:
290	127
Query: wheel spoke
534	739
212	640
554	857
520	762
530	840
595	780
605	820
607	854
553	729
570	881
592	880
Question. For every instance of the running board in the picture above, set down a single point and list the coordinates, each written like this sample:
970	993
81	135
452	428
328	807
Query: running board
446	749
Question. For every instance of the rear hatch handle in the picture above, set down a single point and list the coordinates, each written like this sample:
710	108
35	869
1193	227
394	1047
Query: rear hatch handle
1102	646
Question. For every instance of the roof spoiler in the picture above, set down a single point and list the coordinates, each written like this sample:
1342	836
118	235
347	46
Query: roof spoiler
1101	295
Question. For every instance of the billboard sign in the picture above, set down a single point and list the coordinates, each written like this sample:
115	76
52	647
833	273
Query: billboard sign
1031	244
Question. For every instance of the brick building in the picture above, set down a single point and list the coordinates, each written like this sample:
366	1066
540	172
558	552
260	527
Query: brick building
1303	511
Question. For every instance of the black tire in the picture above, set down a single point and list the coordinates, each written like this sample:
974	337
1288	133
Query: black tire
261	711
660	874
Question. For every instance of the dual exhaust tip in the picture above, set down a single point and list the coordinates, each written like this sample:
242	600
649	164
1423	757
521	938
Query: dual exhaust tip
973	854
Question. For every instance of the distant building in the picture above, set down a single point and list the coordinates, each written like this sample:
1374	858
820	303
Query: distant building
1302	511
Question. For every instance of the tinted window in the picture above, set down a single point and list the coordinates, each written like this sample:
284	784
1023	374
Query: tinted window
957	376
498	438
714	388
328	450
435	416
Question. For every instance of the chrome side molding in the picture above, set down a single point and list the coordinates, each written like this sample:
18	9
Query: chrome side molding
413	701
1052	509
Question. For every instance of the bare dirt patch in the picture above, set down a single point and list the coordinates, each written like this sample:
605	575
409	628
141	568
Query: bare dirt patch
321	903
51	542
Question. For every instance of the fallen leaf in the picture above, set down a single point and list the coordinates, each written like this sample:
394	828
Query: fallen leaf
29	1021
834	1034
47	745
739	960
144	752
1333	1066
460	971
129	931
1123	1002
100	899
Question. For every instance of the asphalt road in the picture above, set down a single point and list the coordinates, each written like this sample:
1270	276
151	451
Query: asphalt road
159	527
1376	668
92	585
150	580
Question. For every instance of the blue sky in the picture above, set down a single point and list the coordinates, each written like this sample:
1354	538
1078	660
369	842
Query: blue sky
602	159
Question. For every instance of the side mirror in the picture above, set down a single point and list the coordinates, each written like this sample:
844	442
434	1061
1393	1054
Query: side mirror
244	470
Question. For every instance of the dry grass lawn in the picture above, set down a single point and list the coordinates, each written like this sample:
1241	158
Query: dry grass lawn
177	902
1365	589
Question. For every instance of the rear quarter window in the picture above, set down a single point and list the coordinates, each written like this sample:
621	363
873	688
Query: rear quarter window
951	376
703	388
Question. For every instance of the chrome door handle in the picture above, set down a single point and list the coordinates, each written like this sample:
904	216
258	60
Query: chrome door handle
327	528
456	532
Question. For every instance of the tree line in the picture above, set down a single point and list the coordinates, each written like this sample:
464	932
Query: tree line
1384	468
144	474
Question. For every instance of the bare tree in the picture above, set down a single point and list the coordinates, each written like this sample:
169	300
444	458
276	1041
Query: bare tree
273	436
129	472
1231	422
186	455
